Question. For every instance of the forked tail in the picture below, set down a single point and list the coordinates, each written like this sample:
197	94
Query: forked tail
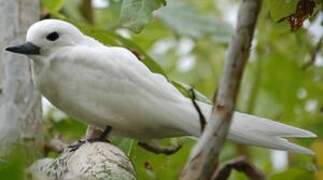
253	130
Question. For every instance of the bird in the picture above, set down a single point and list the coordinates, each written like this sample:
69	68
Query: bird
107	86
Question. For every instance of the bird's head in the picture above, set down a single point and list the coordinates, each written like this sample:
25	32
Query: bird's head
46	37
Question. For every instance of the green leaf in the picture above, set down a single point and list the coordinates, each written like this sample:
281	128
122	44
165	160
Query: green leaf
164	2
71	128
150	166
186	91
135	14
281	8
14	164
293	174
186	20
125	144
52	6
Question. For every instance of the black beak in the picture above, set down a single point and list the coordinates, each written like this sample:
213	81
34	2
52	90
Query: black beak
27	48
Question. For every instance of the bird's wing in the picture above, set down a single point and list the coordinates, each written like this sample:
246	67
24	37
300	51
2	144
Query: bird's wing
132	92
131	68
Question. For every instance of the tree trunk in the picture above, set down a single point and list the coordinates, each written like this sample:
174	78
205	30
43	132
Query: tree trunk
20	105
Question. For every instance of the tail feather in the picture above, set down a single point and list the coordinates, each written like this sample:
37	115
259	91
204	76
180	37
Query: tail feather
269	127
253	130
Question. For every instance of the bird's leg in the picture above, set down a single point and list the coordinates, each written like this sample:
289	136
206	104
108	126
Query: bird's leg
93	134
103	136
155	147
196	106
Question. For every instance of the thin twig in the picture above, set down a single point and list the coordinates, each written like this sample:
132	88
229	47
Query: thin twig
204	158
314	54
239	164
198	109
158	149
87	11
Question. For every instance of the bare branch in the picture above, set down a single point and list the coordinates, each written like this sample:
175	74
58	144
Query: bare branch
87	11
156	148
96	160
204	158
91	160
314	53
239	164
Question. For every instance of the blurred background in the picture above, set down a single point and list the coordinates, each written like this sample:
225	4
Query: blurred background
186	40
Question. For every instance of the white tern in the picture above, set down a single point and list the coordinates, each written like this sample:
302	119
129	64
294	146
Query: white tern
108	86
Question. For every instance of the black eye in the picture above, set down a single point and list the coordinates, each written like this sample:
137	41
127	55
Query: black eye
52	36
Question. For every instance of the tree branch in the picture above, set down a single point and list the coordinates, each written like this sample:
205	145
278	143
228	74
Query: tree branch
239	164
314	53
204	158
87	11
20	106
96	160
92	160
156	148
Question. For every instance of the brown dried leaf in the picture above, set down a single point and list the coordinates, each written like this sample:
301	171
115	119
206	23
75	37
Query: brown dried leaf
304	9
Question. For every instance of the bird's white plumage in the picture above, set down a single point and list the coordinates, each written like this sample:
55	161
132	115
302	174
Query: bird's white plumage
103	86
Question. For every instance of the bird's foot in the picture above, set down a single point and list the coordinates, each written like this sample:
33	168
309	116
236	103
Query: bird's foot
104	135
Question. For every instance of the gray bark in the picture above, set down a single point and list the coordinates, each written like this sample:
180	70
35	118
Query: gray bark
92	161
20	105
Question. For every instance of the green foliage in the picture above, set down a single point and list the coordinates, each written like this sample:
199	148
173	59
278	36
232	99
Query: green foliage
150	166
135	14
71	128
281	8
13	166
293	174
186	20
52	6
